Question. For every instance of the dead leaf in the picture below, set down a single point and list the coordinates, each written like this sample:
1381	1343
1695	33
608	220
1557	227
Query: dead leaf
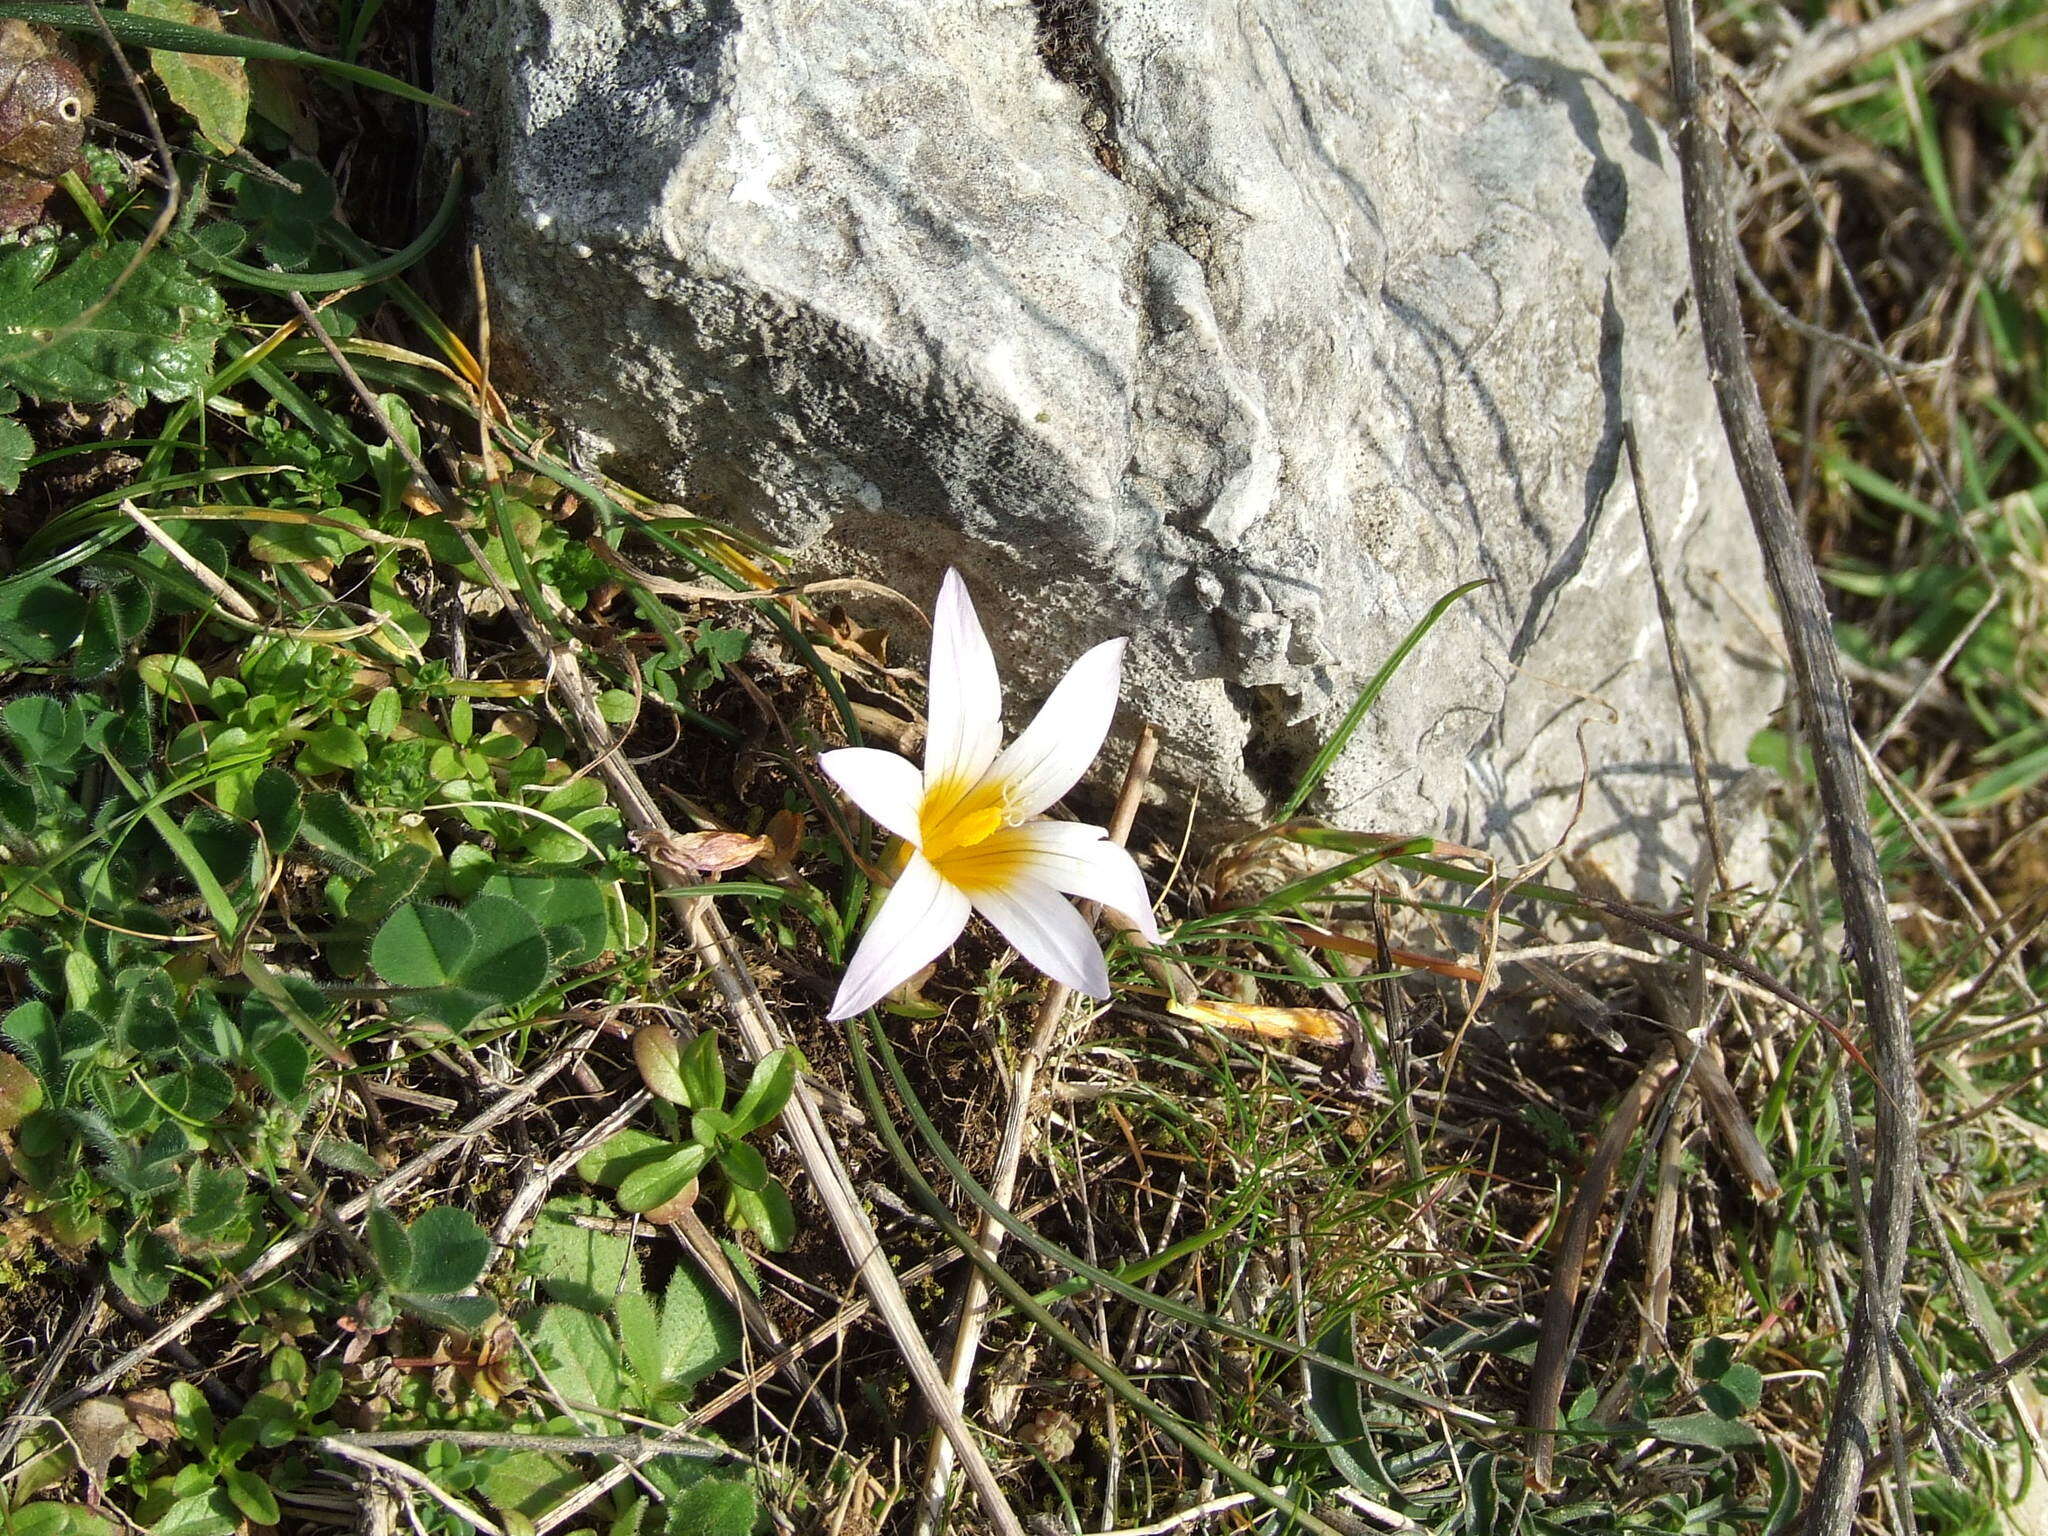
214	88
44	101
785	830
150	1409
674	1209
1316	1026
1414	960
102	1433
21	1094
702	853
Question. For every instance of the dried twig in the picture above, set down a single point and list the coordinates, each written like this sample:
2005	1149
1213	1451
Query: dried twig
1824	701
1835	49
1560	1306
412	1477
713	946
27	1410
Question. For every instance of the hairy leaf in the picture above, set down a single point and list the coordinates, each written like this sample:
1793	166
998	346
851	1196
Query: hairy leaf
153	335
449	1251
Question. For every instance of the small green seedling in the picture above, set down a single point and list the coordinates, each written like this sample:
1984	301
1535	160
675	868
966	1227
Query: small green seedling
650	1172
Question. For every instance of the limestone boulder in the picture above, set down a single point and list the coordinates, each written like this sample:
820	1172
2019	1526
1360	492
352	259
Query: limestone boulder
1248	328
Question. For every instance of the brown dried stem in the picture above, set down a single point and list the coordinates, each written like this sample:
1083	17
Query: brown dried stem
1838	772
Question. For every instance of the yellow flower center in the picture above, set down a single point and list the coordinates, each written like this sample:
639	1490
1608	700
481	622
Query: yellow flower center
958	826
957	816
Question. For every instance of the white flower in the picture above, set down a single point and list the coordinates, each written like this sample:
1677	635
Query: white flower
973	819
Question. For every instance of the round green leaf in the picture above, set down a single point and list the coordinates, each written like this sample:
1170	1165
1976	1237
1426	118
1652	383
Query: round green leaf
422	946
449	1252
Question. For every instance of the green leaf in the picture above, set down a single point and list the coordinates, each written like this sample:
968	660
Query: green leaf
699	1332
289	226
639	1327
331	747
44	732
175	677
191	1414
423	946
1706	1429
54	1519
1336	1414
529	1483
154	336
276	806
580	1353
151	32
116	617
449	1251
713	1506
334	830
485	959
702	1073
394	474
390	1246
199	1092
381	718
511	957
572	910
468	1314
281	1062
16	449
32	1030
40	619
214	88
577	1264
609	1161
765	1212
744	1166
251	1495
768	1092
1744	1383
658	1056
660	1182
145	1012
200	1514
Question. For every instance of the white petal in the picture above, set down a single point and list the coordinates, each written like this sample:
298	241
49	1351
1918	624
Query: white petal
1057	747
920	917
1069	856
1045	930
889	788
965	704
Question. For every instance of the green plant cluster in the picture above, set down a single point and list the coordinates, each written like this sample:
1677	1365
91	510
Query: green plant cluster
258	846
651	1172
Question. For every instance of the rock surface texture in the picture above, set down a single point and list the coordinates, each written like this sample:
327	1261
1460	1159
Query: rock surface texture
1246	327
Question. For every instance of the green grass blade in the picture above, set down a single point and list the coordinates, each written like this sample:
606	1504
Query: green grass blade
1075	1264
177	37
218	904
1114	1380
363	276
1367	698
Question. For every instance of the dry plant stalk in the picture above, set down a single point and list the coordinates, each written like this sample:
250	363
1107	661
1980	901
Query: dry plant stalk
1553	1349
1838	772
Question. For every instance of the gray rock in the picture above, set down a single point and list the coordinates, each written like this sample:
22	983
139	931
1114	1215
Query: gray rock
1246	327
